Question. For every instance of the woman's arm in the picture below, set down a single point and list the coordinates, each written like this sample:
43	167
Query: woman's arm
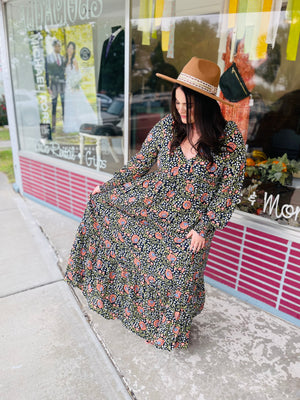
75	63
227	193
141	163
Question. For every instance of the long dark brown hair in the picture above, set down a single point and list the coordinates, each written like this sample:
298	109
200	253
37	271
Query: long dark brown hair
74	51
208	120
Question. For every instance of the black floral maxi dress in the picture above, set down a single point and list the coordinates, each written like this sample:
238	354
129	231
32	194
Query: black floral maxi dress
131	258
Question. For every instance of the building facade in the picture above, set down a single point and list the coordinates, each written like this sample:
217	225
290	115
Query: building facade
82	94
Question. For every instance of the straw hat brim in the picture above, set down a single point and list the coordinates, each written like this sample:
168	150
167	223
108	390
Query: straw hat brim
196	89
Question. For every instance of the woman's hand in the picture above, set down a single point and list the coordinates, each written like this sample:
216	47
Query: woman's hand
96	190
197	241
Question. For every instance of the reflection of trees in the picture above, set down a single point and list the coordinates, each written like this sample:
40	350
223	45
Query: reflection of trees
287	78
20	56
275	113
193	38
18	43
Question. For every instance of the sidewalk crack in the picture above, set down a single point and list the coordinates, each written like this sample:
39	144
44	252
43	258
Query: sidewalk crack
31	288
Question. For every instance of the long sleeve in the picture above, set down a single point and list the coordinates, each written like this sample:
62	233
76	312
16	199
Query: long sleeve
142	162
227	193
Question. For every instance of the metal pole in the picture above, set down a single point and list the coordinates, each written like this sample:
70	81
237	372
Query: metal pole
127	81
9	98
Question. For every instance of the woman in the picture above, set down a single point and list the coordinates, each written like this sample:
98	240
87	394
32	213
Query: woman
141	248
77	108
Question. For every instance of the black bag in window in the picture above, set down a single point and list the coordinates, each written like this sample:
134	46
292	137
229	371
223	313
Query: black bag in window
232	85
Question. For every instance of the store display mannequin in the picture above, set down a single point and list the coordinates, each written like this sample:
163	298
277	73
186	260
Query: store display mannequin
111	76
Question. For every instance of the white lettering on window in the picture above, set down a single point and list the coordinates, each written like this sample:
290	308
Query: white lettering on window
287	210
60	12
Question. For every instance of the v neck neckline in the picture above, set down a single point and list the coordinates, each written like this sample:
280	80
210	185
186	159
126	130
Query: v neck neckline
187	159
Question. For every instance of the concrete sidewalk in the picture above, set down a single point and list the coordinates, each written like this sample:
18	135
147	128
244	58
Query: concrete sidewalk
237	351
5	144
48	349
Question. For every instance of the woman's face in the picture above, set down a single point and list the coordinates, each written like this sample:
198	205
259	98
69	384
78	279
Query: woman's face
181	106
70	50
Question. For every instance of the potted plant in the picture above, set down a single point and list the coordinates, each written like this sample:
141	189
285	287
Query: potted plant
279	170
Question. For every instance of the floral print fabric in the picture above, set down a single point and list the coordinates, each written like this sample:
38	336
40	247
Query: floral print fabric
131	257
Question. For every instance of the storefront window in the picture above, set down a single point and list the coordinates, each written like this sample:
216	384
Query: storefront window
262	39
67	60
165	38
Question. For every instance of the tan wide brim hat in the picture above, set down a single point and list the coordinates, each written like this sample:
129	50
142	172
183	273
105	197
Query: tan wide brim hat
200	75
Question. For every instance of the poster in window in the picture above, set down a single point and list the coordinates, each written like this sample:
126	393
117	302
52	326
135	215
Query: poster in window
64	72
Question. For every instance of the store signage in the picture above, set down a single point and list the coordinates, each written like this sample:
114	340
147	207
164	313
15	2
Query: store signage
58	151
91	161
271	205
287	211
39	14
38	63
70	153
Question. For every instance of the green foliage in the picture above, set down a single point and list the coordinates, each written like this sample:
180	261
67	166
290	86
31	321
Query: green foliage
3	114
279	169
4	134
195	37
6	164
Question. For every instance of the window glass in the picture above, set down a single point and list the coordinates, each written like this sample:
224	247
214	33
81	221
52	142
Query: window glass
164	40
262	39
67	61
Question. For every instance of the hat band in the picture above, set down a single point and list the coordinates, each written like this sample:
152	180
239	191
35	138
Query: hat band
198	83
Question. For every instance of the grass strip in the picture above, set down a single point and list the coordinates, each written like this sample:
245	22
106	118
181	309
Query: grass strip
6	164
4	134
